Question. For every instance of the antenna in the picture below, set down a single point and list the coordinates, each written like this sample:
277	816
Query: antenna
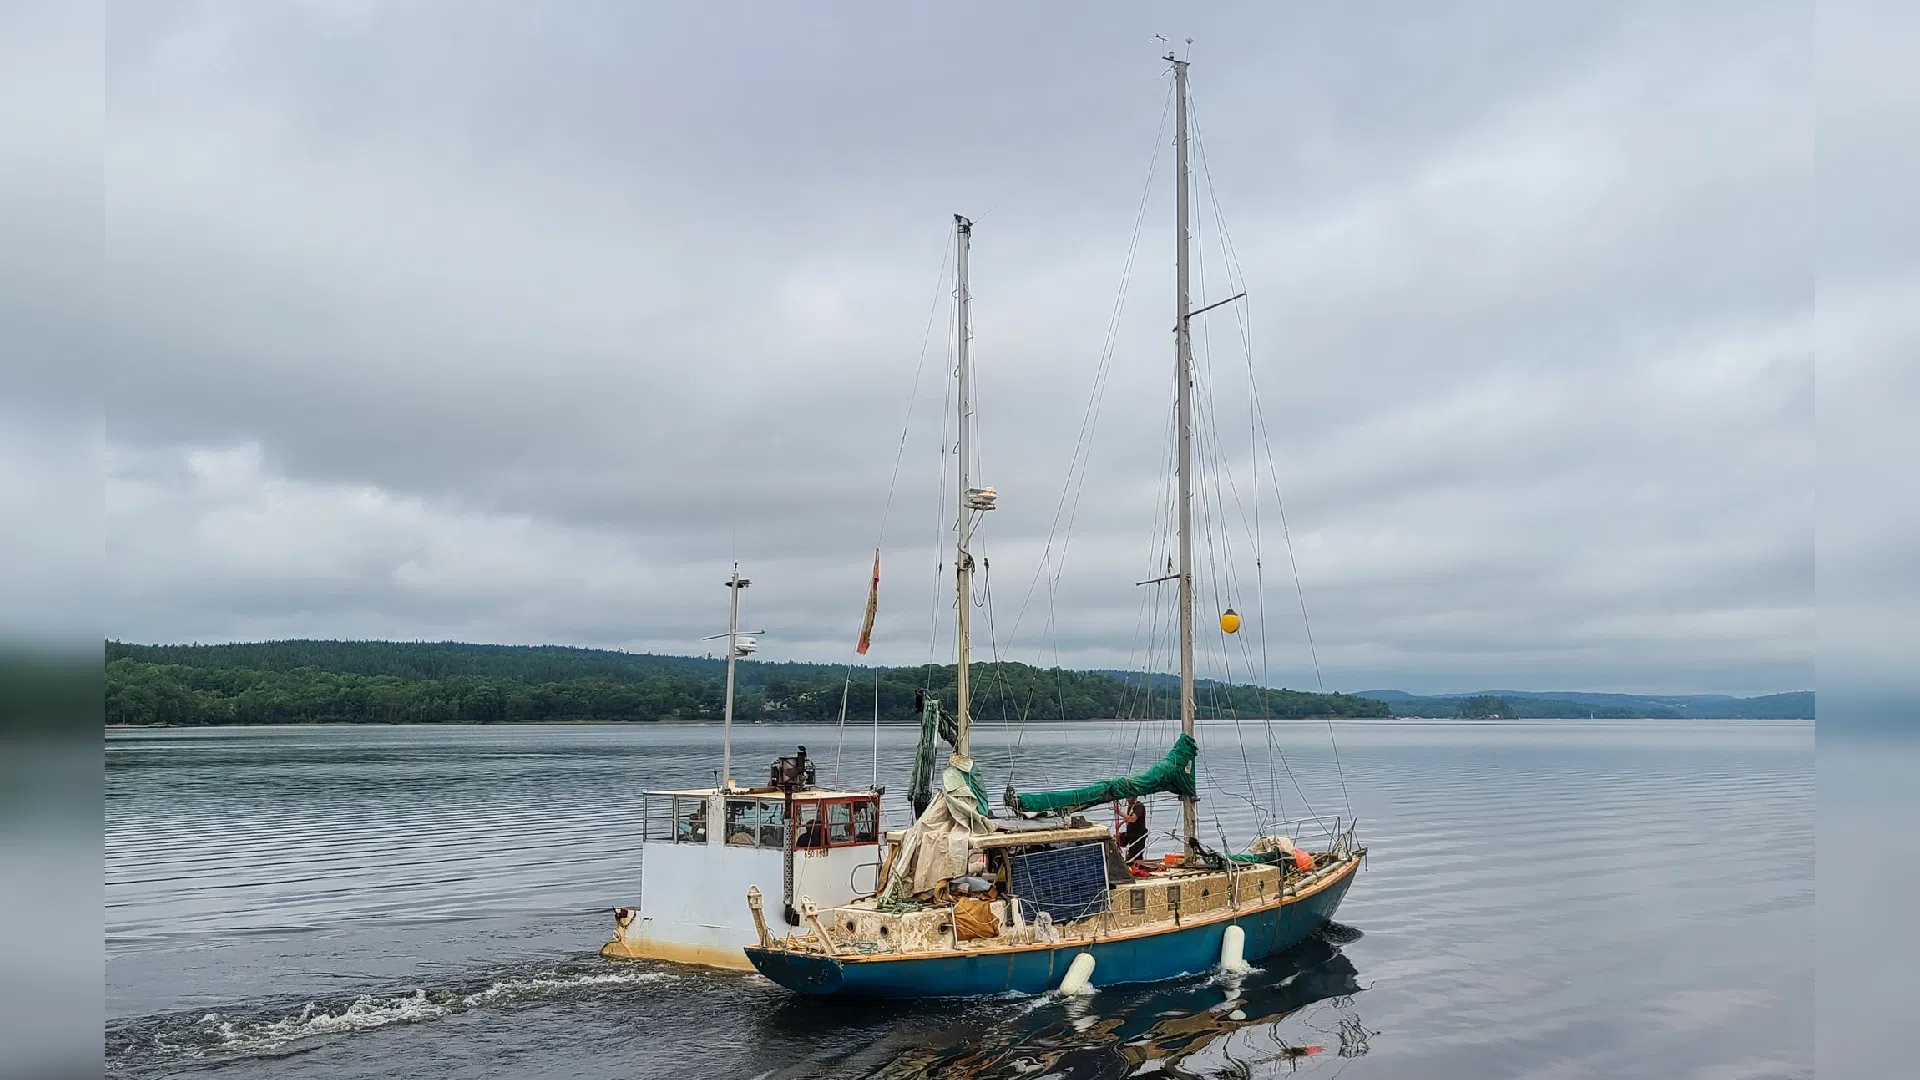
734	584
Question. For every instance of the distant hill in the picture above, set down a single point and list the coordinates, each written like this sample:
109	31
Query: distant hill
1572	704
289	682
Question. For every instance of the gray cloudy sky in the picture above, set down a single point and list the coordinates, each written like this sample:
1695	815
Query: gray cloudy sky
510	322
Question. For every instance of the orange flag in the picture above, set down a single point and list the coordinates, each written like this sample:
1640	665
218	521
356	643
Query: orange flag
873	607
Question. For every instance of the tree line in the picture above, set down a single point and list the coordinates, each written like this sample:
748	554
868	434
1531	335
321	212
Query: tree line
307	682
1796	705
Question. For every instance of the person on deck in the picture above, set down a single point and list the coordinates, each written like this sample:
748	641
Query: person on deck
1133	828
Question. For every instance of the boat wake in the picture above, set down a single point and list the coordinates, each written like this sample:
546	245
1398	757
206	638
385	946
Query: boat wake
291	1026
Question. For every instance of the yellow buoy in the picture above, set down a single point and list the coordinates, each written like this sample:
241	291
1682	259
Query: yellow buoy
1230	621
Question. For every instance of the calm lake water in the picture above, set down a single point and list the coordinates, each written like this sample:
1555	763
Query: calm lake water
1550	899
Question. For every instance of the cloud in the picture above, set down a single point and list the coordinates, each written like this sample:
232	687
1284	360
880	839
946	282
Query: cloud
512	324
1869	334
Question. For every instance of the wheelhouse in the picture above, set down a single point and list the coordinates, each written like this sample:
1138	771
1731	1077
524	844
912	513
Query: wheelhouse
761	819
702	847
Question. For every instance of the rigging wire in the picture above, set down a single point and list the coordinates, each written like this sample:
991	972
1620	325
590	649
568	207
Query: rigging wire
1158	613
1266	442
1208	509
983	593
1000	671
948	449
1141	654
886	511
1214	467
1236	281
1073	486
1089	421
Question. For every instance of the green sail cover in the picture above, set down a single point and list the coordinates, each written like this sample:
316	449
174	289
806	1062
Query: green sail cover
1173	773
974	786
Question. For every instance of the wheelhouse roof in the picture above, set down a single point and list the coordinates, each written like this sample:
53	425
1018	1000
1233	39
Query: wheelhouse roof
765	794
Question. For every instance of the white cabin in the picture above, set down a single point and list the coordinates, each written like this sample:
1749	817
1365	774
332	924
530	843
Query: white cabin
693	874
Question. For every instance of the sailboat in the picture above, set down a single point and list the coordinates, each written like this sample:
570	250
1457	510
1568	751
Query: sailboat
698	846
971	903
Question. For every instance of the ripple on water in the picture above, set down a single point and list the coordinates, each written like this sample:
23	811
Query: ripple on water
1578	899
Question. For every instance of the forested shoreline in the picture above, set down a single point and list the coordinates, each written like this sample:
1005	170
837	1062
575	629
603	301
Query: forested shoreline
380	682
1521	705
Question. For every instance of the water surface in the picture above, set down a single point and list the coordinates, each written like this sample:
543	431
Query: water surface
1542	899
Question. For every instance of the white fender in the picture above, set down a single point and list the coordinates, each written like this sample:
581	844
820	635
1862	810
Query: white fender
1233	948
1079	975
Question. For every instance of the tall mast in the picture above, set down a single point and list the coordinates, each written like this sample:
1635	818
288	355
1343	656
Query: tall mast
1183	406
734	585
963	561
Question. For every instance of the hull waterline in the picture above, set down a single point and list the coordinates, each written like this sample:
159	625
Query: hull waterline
1152	957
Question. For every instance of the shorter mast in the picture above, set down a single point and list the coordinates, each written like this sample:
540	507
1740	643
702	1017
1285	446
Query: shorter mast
734	585
963	560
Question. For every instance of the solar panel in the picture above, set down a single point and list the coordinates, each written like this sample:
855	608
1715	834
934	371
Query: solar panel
1067	883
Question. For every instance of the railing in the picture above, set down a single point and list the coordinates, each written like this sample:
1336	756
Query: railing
673	819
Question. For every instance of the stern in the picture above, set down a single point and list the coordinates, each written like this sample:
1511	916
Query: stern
802	973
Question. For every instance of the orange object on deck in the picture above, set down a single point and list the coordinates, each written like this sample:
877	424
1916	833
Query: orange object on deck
1173	858
1302	860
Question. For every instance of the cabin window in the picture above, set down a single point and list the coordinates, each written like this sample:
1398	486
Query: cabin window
810	832
753	823
839	823
1137	902
835	823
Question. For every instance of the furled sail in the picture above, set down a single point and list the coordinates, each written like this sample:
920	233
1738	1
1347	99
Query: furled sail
920	786
933	719
1172	774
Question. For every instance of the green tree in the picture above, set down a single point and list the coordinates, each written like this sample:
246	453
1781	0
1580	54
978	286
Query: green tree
1485	707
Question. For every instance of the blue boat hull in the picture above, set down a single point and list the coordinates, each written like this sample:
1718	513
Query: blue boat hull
1189	950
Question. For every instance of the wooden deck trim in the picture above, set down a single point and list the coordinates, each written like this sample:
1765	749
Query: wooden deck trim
1228	915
